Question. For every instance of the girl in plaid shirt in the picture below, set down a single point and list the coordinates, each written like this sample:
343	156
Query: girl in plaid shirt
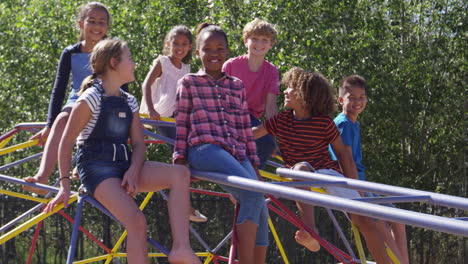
214	134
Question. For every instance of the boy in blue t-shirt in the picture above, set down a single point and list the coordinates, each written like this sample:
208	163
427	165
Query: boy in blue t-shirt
353	99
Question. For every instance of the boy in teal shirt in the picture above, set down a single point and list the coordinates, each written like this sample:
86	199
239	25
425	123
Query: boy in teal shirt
353	99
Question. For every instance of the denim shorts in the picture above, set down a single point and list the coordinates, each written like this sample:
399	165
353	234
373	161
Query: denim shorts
98	162
213	158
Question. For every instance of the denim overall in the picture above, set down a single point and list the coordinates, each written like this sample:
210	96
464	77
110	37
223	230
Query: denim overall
105	153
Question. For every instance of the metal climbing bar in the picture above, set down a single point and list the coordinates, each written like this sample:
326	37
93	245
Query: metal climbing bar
438	223
435	198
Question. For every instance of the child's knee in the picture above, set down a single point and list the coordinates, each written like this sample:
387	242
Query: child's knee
362	222
138	222
181	175
302	166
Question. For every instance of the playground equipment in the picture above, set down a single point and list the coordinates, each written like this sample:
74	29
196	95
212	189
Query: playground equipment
281	185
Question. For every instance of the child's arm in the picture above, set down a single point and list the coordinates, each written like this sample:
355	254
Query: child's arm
79	117
259	131
153	74
182	112
271	108
345	158
130	179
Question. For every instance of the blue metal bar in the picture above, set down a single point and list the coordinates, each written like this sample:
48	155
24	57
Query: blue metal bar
157	123
433	222
31	124
223	242
76	229
395	199
191	229
14	221
156	136
308	183
158	246
340	233
436	198
21	161
35	185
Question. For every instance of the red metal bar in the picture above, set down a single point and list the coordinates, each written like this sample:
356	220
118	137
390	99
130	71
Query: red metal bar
34	242
235	240
9	134
93	238
332	249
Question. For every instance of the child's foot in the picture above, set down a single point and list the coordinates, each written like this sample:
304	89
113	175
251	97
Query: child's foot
196	216
183	256
32	189
304	238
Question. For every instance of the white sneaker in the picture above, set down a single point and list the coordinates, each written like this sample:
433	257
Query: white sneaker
196	216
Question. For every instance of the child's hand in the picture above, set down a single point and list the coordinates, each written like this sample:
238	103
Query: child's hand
154	115
62	196
130	183
41	135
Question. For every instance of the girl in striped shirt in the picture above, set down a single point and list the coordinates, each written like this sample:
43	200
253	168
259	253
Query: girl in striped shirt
103	119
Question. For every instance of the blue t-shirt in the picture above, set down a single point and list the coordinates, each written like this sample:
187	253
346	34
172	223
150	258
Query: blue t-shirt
73	61
351	136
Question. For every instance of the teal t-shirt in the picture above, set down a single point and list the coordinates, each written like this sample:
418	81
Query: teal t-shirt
351	135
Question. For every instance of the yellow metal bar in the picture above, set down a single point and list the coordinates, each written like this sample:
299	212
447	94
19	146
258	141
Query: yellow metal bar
357	239
124	234
208	259
18	146
278	241
167	119
392	255
90	260
146	200
34	221
5	141
24	196
274	177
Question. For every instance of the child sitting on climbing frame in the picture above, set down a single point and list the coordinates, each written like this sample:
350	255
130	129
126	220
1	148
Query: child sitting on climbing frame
353	99
304	133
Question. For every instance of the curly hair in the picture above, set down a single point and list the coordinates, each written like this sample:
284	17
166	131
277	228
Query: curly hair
312	89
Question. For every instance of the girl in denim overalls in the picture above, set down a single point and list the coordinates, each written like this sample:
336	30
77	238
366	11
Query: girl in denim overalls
102	120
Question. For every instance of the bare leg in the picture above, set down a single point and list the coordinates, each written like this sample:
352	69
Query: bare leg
399	233
385	230
374	239
112	196
50	156
245	248
260	254
156	176
307	213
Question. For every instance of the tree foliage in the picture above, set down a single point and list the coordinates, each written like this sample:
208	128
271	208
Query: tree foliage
413	54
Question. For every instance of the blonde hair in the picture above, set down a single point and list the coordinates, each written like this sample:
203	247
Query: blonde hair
178	30
312	89
88	7
260	27
100	59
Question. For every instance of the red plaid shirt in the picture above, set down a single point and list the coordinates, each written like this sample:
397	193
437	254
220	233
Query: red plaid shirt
212	111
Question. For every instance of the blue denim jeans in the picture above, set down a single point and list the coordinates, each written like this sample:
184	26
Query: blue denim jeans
265	145
213	158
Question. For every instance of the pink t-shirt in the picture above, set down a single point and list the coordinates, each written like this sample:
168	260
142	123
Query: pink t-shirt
257	84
